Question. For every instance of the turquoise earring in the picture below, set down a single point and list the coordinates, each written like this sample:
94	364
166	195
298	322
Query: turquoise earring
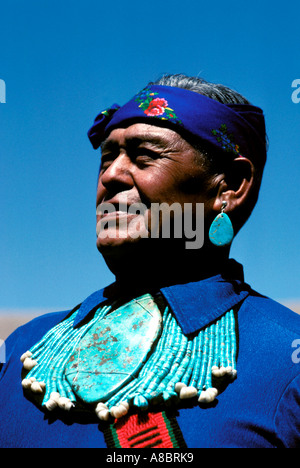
221	231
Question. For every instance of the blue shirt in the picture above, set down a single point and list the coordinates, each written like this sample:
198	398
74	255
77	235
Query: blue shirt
261	408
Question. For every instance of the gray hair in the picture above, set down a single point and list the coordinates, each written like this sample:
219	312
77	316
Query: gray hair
218	92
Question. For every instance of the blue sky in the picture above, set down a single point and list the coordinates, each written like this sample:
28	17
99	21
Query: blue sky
64	61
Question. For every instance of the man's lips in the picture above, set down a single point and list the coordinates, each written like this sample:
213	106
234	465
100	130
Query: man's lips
118	208
105	210
115	214
113	220
112	214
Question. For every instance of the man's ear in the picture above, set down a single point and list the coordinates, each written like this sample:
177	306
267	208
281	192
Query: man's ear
235	186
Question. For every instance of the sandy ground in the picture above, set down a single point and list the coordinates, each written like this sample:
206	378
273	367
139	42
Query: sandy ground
9	321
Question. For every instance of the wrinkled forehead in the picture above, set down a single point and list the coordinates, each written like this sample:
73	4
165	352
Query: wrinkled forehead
142	134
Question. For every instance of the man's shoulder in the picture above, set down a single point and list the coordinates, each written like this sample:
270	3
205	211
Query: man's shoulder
37	327
275	312
45	320
41	322
27	335
31	332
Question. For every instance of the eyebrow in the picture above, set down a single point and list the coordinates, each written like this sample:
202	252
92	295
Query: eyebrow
142	138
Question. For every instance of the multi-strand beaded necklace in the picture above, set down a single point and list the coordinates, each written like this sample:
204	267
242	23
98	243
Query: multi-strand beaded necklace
176	367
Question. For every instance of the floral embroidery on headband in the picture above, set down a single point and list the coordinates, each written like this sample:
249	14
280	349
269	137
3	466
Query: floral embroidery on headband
156	106
226	140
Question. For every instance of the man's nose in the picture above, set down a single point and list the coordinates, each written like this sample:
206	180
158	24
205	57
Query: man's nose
118	175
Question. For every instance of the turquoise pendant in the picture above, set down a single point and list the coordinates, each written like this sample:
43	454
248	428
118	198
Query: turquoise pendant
113	350
221	230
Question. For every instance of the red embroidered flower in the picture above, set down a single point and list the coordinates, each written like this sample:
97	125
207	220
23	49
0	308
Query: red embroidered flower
156	107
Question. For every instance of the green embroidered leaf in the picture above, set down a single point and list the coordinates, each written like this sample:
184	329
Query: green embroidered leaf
144	105
170	113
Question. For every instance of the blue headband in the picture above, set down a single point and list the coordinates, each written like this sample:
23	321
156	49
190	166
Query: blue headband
238	129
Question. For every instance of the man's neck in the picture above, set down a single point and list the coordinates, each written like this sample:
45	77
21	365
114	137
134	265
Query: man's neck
155	270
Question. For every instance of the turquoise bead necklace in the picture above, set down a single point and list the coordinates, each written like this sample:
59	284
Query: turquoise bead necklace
177	366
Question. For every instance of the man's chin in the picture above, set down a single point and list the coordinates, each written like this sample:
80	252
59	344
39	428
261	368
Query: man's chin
116	246
122	254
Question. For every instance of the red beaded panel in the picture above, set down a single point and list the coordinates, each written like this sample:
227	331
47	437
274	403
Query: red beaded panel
151	430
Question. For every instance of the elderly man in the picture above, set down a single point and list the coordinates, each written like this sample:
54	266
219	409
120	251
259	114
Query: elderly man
179	352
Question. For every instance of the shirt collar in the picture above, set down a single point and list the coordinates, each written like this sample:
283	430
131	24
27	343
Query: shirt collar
194	304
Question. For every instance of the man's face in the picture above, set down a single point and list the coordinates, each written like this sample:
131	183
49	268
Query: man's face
144	165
